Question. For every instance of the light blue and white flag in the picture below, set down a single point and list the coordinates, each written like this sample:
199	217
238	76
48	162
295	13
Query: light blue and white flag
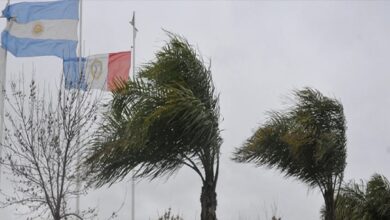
41	29
72	70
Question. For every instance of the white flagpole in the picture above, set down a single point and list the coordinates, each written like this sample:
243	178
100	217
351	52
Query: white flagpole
3	72
135	30
133	178
78	185
80	34
3	76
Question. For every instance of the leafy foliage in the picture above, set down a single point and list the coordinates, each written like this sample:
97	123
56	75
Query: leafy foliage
166	118
307	141
370	201
169	216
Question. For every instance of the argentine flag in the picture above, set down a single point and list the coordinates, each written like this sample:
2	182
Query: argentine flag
41	29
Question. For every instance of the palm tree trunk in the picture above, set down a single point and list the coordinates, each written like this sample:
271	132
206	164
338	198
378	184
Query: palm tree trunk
330	208
208	200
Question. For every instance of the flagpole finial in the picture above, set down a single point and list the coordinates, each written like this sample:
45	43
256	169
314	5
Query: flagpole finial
132	22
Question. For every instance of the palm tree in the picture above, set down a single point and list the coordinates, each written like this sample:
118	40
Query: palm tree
359	201
168	117
307	141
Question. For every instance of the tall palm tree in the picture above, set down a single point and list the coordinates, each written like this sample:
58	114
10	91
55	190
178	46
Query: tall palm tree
168	117
360	201
307	141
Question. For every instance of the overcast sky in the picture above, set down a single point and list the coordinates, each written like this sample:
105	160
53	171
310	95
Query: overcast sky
260	51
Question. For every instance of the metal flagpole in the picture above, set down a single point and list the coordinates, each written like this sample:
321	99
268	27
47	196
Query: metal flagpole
3	72
132	22
3	75
80	35
78	186
135	30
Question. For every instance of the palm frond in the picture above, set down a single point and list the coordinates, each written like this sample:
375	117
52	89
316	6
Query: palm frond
362	200
307	141
165	117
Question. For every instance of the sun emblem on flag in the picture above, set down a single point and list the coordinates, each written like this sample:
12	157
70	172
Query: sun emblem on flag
38	29
96	69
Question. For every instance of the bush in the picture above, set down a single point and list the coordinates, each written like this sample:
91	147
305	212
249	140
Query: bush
169	216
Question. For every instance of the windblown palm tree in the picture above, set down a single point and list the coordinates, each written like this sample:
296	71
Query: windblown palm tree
360	201
168	117
306	142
